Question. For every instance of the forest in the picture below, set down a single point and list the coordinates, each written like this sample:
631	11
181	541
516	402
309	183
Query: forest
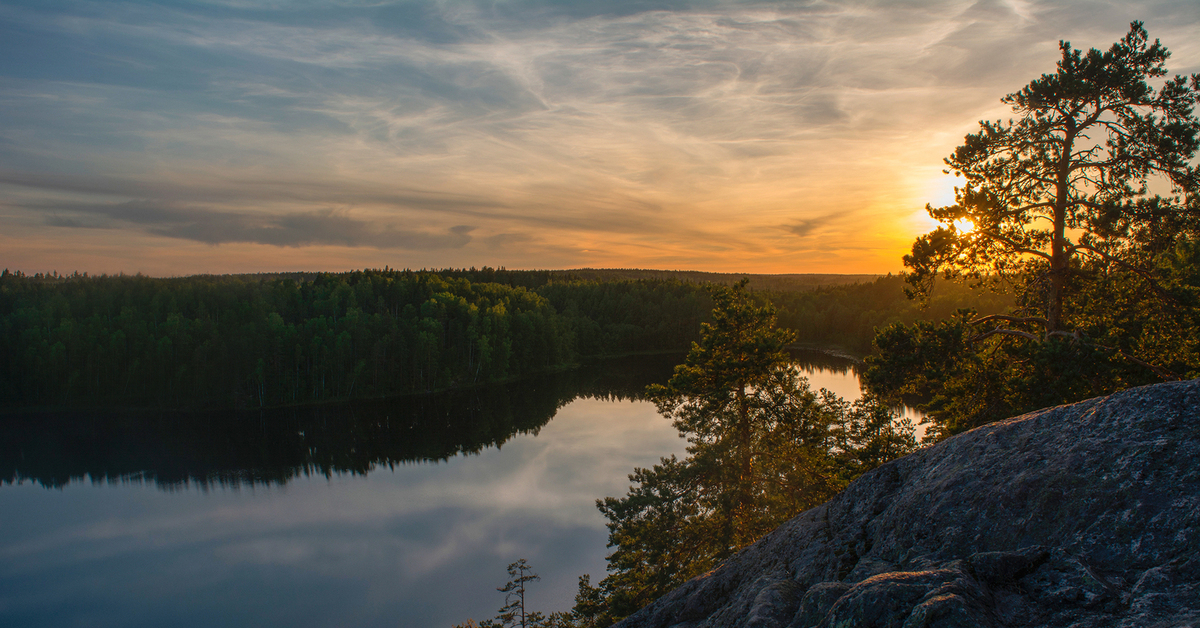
243	341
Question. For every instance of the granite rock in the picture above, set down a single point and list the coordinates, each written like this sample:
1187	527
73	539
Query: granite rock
1081	515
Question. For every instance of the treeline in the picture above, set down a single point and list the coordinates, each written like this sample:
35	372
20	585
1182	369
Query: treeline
846	316
827	311
534	279
268	340
244	341
757	282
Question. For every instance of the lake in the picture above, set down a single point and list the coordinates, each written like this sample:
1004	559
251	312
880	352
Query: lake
399	512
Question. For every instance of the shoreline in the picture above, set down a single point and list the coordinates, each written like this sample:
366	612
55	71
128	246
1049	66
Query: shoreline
833	352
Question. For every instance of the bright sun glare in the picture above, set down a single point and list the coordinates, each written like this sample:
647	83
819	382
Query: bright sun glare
939	191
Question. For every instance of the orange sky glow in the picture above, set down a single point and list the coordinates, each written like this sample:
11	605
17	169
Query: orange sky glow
761	137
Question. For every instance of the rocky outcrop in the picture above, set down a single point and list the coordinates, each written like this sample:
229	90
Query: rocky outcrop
1081	515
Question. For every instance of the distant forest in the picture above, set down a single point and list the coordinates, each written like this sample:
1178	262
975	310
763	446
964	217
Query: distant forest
281	339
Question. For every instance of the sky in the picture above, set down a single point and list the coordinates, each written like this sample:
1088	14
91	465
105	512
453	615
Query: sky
227	136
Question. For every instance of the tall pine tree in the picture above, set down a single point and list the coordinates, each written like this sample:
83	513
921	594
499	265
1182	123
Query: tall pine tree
762	448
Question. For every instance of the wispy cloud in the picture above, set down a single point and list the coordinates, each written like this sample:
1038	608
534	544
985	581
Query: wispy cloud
808	226
624	133
327	227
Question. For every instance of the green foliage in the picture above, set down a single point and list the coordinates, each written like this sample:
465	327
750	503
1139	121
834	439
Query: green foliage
591	607
734	392
270	340
1068	182
846	316
251	341
762	448
513	612
619	317
1103	273
242	341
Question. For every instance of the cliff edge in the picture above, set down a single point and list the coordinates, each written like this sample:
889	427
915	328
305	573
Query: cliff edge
1081	515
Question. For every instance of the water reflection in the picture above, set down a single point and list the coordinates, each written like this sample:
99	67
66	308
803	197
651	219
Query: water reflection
421	544
364	514
176	450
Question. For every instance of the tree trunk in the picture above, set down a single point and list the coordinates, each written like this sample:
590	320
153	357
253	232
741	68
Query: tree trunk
1058	276
745	472
1059	260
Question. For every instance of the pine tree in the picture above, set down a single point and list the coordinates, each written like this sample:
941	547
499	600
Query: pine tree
1059	207
514	613
762	448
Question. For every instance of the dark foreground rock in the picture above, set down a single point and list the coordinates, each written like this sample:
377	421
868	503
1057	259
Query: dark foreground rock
1082	515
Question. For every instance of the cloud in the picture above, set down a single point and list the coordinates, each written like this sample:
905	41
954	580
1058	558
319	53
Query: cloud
322	228
660	131
807	227
241	190
326	227
502	241
65	221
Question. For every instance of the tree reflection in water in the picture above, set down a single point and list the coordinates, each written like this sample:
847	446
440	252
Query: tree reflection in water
176	450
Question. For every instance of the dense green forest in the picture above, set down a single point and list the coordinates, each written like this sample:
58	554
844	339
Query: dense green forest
846	317
268	340
247	341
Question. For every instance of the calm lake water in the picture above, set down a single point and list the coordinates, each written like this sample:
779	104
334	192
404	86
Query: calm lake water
387	513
